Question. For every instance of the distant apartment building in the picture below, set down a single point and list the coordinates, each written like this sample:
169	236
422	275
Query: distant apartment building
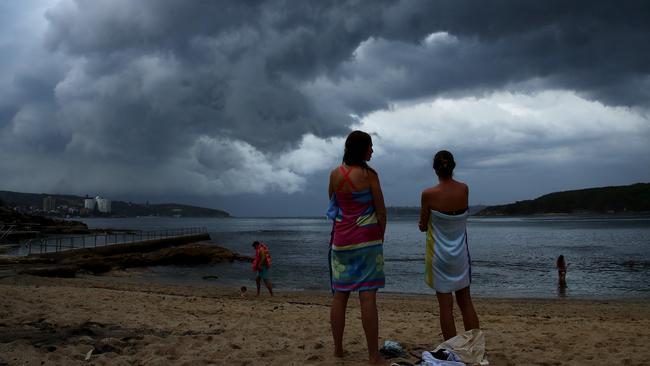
49	204
103	204
98	203
89	204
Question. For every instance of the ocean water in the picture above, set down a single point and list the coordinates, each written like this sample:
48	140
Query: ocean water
511	257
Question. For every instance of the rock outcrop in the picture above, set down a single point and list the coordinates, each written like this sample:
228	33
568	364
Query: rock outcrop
68	264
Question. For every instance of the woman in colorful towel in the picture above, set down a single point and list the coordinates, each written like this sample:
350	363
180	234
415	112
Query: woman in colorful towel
356	253
443	215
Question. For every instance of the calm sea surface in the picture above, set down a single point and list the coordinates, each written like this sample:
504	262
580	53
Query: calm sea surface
511	257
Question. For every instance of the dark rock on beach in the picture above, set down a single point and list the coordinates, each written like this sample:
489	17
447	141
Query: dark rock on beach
53	271
67	264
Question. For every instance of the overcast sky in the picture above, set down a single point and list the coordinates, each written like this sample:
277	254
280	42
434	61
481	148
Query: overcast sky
244	105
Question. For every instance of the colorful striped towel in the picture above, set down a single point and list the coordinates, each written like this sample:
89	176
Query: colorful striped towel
356	257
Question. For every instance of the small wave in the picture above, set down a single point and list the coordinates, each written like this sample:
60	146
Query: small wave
588	219
274	232
587	248
278	231
407	259
635	264
520	266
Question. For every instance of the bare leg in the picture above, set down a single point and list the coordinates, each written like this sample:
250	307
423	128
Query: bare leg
269	285
257	281
337	320
370	321
464	300
447	325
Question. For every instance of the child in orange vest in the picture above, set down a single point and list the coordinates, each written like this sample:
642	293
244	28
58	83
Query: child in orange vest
261	265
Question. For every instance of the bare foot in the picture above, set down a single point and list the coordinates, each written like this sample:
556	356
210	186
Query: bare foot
377	360
339	353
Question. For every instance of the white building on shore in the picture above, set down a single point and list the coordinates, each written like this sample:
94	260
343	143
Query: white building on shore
98	203
103	204
89	204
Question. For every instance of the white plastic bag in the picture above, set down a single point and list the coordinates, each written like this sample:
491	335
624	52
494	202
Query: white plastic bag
469	346
429	360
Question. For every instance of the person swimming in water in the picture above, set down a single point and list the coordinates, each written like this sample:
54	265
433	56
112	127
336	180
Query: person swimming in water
561	271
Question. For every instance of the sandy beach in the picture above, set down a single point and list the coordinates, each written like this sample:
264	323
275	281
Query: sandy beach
52	321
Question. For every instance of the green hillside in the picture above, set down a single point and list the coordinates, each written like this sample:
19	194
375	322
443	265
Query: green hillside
634	198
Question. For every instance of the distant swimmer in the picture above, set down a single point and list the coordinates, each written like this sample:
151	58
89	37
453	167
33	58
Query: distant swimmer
561	271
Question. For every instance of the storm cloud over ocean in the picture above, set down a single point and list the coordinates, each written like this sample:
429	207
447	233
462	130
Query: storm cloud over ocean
244	105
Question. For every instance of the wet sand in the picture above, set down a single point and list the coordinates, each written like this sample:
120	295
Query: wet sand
124	321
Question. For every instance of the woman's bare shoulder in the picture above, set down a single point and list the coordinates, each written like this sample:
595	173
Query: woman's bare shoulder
430	191
461	185
460	182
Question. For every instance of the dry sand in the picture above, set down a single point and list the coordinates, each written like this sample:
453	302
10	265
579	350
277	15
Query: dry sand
46	321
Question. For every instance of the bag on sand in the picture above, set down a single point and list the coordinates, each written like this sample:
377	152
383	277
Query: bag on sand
468	346
441	357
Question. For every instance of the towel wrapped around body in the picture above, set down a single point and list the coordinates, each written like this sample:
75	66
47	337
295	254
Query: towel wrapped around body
447	260
356	252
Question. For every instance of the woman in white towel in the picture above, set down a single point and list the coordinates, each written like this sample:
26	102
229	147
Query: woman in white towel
443	216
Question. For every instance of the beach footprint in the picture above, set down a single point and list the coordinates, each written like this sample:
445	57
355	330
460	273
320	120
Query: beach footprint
314	358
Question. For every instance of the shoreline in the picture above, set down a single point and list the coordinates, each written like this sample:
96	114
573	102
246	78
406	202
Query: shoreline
247	277
58	321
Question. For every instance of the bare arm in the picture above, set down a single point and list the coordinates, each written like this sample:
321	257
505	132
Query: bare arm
258	259
425	211
378	198
330	189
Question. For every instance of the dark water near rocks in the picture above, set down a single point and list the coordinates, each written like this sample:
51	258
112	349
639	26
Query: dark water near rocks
511	257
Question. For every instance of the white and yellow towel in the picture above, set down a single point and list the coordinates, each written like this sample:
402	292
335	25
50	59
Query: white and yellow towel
447	255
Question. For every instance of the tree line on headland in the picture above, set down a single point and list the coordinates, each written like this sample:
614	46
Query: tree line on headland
633	198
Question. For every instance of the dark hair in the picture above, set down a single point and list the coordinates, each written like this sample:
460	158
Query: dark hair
256	243
356	148
560	261
444	164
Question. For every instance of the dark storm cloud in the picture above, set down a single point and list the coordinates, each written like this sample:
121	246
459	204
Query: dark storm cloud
238	68
598	49
232	67
166	86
